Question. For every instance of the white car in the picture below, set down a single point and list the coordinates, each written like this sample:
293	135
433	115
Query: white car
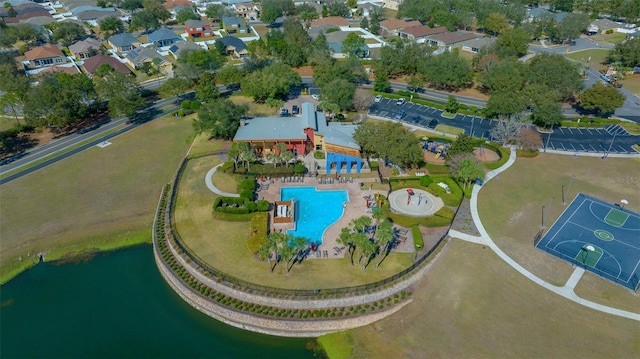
377	99
315	97
401	101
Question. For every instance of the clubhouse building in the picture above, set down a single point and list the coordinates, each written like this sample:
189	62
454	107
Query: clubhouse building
303	135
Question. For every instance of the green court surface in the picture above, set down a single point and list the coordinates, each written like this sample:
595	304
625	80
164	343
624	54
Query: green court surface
589	255
616	217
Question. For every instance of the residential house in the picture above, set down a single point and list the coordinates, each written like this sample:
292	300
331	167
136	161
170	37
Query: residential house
175	5
391	4
183	46
46	55
92	64
334	41
474	45
316	30
302	135
247	10
198	28
138	57
235	25
537	13
336	21
234	46
123	42
391	27
449	40
66	68
415	33
602	25
85	48
163	37
367	9
24	12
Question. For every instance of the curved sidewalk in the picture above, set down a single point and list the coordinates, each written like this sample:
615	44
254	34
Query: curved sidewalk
212	187
567	290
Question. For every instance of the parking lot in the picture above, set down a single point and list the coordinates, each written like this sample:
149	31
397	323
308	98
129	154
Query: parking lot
611	138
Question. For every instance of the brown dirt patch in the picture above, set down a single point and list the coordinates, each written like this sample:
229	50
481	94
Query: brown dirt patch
304	70
430	157
486	155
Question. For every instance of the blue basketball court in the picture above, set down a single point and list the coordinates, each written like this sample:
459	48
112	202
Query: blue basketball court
601	237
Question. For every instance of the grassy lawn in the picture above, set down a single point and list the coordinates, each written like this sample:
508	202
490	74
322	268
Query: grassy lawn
511	205
598	57
449	129
631	83
255	109
613	38
223	244
100	198
473	305
7	122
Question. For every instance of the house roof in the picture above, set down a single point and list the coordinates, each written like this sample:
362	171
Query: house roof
604	24
42	52
330	20
40	20
82	8
315	31
27	12
97	14
182	46
480	42
84	45
423	30
397	24
71	70
227	21
162	34
337	36
124	39
537	12
560	16
196	23
450	38
233	41
141	54
292	128
91	64
170	4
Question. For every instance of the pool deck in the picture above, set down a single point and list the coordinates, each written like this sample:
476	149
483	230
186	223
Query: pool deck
356	207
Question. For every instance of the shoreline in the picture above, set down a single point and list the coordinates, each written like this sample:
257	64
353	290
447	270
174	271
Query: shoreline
71	254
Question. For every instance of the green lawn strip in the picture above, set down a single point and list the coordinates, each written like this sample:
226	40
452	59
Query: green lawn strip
337	345
448	115
57	154
449	129
99	198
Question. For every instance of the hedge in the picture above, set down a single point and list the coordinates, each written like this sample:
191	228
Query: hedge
418	242
258	231
501	151
527	153
445	212
450	199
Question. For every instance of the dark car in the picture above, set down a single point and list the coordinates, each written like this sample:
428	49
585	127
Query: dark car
416	119
295	109
432	124
400	115
233	87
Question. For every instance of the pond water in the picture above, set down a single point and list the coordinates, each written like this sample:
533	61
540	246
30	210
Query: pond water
118	305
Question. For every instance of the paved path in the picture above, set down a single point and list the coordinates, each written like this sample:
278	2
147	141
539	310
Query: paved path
212	187
484	239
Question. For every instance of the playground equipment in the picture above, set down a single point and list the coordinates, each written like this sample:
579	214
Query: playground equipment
439	148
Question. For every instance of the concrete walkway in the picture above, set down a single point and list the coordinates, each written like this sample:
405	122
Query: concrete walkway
484	239
212	187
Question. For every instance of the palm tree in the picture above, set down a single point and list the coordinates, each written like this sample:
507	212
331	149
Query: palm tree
360	223
384	235
264	251
275	238
299	244
378	214
275	158
368	249
345	238
360	241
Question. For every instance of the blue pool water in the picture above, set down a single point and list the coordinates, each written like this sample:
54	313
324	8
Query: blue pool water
315	210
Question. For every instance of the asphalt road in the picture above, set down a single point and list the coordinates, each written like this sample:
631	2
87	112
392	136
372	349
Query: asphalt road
598	140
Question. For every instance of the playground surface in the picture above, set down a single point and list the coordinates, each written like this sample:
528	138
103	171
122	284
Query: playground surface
601	237
414	202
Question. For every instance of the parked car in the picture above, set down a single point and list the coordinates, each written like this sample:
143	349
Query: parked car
616	84
432	124
377	99
284	112
416	119
233	86
401	101
295	109
316	97
400	115
605	77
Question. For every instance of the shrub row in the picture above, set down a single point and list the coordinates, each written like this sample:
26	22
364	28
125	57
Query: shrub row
450	199
418	242
527	153
501	151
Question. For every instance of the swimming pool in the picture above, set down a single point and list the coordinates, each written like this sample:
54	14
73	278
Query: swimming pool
315	210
